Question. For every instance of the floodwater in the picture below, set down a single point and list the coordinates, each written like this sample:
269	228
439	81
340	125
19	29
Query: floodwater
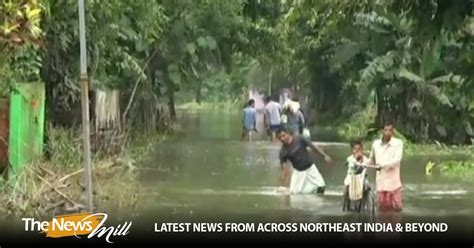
206	173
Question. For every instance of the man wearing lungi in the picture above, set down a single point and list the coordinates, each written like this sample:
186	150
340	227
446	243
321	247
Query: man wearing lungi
305	178
387	153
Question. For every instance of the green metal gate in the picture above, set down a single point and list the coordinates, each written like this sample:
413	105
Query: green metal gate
26	124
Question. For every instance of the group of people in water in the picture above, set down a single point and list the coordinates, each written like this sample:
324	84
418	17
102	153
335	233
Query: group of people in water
289	116
300	175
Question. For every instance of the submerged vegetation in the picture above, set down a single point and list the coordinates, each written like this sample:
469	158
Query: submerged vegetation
463	169
452	168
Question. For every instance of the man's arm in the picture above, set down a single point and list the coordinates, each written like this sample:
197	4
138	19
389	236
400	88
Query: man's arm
254	114
283	158
316	149
372	155
285	166
266	120
285	175
301	118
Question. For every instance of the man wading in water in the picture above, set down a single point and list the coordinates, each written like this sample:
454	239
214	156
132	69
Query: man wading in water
249	120
305	178
387	153
272	117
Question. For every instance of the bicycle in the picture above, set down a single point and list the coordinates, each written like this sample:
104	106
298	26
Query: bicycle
367	203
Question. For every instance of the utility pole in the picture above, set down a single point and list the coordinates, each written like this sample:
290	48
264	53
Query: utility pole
85	108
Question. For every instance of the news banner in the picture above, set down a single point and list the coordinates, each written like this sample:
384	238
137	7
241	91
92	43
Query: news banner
299	227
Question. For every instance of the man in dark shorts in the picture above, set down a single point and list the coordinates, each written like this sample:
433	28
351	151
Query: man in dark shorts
272	117
249	120
305	178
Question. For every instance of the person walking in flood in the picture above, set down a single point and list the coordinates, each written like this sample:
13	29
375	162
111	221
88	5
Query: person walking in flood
272	116
387	154
249	120
299	117
305	178
296	121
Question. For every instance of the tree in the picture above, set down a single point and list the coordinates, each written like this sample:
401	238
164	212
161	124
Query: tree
20	37
20	25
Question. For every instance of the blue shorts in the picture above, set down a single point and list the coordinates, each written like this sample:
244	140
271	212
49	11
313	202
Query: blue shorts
274	128
248	129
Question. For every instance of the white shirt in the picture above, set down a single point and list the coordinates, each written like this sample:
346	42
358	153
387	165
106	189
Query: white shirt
389	156
351	161
272	113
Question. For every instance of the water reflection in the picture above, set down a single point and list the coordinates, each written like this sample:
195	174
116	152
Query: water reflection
208	171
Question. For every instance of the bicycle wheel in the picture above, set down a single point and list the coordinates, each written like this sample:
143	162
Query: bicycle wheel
371	205
344	204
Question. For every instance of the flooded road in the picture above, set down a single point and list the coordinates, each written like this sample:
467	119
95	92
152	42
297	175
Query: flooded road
205	172
206	175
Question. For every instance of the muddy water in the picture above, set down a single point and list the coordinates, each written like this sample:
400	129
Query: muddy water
205	172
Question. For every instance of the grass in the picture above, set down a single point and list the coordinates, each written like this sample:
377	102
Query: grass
453	168
55	186
437	149
357	125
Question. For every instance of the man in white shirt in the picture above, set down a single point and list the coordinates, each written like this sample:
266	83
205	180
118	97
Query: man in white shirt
387	153
272	117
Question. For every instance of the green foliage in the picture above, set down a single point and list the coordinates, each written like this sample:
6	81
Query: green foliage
20	35
412	149
460	169
20	24
64	146
410	54
411	59
120	36
359	125
378	65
